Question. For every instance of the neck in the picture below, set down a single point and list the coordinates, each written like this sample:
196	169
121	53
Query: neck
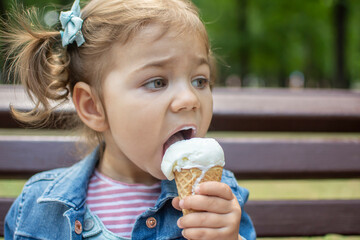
123	170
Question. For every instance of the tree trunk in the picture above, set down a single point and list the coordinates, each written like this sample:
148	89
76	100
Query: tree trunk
244	52
2	8
2	12
340	19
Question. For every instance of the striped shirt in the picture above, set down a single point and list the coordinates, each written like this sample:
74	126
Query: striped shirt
118	204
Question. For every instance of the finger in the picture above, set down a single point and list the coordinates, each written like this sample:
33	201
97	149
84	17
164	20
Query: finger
202	220
218	189
175	203
206	233
206	203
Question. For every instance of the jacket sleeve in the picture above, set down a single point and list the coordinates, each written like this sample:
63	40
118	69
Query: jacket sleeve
246	230
11	219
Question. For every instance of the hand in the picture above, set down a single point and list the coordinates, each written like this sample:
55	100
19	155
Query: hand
219	216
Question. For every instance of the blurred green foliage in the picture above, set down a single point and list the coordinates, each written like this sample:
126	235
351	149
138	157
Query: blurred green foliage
261	43
275	38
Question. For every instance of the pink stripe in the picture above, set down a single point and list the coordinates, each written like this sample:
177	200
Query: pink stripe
111	198
120	206
100	185
122	230
95	180
118	203
107	208
114	222
129	198
134	213
119	191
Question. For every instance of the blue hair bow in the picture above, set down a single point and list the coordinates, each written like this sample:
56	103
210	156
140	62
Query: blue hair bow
72	23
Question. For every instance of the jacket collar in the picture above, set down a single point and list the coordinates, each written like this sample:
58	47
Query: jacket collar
168	191
70	186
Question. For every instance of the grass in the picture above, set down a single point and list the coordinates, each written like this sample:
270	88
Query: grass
261	189
11	187
302	189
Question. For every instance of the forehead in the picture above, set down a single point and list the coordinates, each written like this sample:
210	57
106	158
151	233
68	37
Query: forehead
155	31
156	41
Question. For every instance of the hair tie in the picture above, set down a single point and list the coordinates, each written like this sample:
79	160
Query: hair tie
72	23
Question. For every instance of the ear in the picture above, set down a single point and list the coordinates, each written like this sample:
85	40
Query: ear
89	107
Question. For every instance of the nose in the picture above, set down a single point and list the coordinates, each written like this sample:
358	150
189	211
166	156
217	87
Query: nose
185	98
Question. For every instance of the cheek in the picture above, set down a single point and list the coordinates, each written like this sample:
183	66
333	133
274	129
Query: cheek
209	105
133	119
130	120
207	112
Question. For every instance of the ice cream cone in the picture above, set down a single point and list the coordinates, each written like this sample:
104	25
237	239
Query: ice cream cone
191	162
186	178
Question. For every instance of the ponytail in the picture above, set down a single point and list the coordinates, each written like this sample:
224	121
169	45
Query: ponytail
34	56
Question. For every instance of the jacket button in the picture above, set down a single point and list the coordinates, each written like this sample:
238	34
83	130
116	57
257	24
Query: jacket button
88	224
78	227
151	222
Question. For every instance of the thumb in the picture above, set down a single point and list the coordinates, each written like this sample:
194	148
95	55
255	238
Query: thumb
175	203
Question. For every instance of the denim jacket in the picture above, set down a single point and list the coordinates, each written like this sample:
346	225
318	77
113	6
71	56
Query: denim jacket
52	206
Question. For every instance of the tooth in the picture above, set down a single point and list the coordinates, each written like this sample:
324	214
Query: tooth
187	128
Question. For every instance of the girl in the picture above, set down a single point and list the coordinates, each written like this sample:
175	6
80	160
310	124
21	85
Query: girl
139	72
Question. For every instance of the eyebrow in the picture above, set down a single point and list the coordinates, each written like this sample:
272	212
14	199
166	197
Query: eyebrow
162	62
203	61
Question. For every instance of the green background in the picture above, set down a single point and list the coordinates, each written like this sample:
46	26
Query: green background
262	42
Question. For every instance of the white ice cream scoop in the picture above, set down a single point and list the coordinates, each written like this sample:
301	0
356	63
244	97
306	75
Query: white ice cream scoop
202	153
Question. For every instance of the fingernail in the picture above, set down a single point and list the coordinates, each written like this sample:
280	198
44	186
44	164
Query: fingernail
181	203
197	190
179	223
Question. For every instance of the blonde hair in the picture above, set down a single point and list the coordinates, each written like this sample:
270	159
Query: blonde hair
49	71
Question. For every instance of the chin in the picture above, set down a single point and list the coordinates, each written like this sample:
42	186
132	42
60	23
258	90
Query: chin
159	176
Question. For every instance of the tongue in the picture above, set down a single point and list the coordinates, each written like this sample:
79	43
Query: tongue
173	139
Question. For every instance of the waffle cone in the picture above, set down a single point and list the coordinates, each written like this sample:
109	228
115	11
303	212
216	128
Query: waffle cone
186	178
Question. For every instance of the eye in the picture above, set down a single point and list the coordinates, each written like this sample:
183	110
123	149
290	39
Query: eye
156	83
200	82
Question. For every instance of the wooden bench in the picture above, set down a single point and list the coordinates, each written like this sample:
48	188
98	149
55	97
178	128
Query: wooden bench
248	158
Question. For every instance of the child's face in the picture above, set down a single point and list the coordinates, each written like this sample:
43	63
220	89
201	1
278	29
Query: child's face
157	87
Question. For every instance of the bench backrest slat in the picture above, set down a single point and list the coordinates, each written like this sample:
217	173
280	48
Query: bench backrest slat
305	217
248	109
247	158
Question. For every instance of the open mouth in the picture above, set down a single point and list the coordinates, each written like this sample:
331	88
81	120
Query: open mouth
184	134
